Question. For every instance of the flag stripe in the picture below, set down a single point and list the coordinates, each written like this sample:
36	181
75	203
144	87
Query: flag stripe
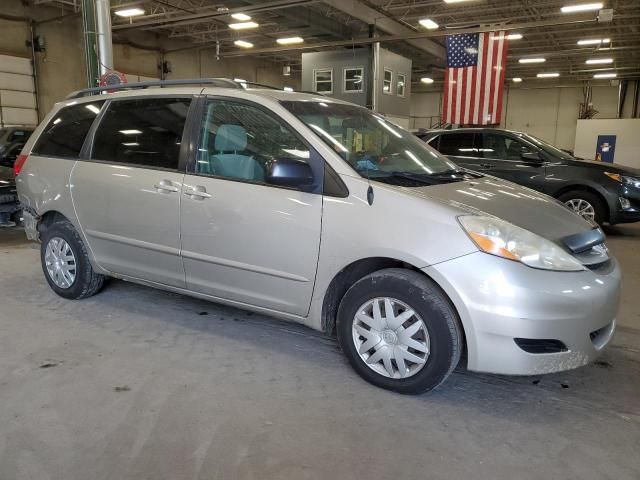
467	95
478	83
458	95
505	48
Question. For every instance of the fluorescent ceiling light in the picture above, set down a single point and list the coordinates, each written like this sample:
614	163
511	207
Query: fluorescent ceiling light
532	60
595	61
516	79
92	108
427	80
243	44
594	41
288	89
240	80
243	25
583	7
290	40
548	75
605	75
242	17
129	12
130	132
131	144
428	24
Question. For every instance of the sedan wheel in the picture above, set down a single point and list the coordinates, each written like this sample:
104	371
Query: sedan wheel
582	208
390	338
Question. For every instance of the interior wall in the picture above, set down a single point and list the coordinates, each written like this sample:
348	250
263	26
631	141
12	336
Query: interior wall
200	63
626	130
549	113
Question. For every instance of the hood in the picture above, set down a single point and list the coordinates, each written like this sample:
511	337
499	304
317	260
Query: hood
605	167
519	205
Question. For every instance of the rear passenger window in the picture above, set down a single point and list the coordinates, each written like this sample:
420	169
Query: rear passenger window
460	144
145	132
65	133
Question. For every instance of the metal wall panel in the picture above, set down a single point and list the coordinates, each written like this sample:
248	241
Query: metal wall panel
18	104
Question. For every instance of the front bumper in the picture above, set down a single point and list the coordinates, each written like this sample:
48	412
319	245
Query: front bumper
500	300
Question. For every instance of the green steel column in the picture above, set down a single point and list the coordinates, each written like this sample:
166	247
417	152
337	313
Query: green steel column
90	47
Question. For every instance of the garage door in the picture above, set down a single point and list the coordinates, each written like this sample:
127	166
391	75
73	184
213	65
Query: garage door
17	92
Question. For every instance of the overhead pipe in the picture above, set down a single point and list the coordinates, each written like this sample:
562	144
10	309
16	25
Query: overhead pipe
90	52
103	31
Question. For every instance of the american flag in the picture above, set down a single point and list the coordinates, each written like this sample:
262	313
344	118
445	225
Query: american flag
474	79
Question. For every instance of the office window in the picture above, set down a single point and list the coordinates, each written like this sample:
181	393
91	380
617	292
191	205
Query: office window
323	80
387	82
353	79
400	85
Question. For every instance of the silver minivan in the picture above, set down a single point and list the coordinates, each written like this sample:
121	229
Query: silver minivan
321	212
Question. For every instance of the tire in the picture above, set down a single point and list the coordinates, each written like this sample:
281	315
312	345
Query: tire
439	331
86	281
575	196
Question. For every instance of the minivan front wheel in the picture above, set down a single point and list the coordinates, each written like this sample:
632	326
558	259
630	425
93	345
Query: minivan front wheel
65	263
399	331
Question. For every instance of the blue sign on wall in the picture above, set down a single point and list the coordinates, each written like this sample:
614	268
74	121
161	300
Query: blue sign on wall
606	148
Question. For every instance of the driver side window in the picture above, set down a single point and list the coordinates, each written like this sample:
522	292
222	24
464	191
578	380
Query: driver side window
501	147
239	140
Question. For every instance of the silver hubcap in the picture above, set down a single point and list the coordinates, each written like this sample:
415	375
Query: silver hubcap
391	338
582	208
60	262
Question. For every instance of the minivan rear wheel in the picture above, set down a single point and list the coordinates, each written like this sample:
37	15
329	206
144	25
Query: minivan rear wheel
65	263
399	331
585	204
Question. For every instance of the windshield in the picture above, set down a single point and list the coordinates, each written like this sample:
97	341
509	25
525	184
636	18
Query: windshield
366	141
547	147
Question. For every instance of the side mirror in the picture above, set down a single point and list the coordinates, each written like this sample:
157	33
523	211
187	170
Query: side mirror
531	156
287	172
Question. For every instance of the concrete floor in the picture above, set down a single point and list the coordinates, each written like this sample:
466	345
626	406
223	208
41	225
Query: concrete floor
136	383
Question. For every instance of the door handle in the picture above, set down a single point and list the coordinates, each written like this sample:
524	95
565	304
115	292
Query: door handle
166	186
197	193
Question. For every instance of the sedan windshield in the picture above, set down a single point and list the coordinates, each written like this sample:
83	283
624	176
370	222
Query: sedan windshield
374	147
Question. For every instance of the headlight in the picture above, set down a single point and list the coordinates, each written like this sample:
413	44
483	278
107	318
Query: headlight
624	179
505	240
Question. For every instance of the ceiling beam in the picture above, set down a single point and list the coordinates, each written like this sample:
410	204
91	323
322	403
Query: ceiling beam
371	16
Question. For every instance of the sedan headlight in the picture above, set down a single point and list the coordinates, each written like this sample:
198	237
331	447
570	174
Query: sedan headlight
624	179
506	240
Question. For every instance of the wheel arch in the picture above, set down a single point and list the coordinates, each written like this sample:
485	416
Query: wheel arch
358	269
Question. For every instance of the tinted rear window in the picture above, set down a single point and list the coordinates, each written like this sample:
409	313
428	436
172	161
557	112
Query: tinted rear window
65	133
460	144
145	132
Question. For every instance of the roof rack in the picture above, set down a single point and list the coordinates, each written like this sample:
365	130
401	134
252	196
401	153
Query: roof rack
216	82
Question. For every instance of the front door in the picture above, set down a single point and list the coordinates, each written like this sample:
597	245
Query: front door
503	156
243	239
127	195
